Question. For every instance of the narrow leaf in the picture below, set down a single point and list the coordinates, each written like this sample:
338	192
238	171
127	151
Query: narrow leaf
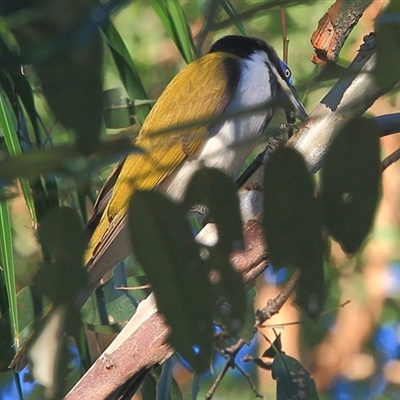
231	12
126	68
7	264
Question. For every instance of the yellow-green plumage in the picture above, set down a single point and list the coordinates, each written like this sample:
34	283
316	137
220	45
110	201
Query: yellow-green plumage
204	88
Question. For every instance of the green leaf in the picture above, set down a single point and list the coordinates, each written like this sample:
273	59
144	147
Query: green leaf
292	224
148	389
126	68
69	65
214	189
172	17
118	110
230	10
111	306
293	380
165	248
8	127
7	341
388	46
350	183
63	242
7	264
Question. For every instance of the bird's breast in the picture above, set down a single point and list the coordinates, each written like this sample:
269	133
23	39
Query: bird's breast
230	141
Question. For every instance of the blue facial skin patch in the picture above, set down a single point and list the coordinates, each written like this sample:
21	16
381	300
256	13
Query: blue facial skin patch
286	71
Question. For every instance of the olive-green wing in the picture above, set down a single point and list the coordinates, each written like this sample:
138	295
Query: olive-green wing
200	91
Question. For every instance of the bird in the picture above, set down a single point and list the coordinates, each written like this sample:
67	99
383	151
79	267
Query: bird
237	73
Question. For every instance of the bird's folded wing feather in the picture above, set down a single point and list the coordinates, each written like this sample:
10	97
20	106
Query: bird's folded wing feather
201	90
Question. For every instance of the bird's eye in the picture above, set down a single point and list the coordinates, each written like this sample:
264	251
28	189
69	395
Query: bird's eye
288	74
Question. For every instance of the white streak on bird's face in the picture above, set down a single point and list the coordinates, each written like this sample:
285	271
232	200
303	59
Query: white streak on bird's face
231	141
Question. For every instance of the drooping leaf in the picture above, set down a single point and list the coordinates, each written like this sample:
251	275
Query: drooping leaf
388	46
350	183
62	43
293	380
164	246
232	14
173	18
126	68
63	242
8	267
214	189
292	224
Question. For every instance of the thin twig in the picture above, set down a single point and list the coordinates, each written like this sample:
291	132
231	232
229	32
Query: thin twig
133	287
344	304
274	305
233	350
285	39
230	355
390	159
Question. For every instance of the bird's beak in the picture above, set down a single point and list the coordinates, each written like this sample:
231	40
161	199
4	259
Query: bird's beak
298	108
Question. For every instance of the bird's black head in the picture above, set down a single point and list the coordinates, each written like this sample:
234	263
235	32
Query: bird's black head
244	47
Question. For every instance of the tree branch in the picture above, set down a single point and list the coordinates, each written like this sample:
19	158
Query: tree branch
142	344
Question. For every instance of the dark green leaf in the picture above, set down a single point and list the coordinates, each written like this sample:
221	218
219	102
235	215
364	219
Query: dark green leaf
388	46
350	183
165	248
7	347
214	189
247	331
228	287
292	223
68	65
63	242
275	348
148	388
293	381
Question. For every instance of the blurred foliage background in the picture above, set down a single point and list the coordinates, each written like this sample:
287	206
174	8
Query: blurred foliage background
351	352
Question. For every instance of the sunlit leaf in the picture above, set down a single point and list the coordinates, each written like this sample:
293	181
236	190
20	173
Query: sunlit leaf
8	266
126	68
172	17
350	183
231	12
